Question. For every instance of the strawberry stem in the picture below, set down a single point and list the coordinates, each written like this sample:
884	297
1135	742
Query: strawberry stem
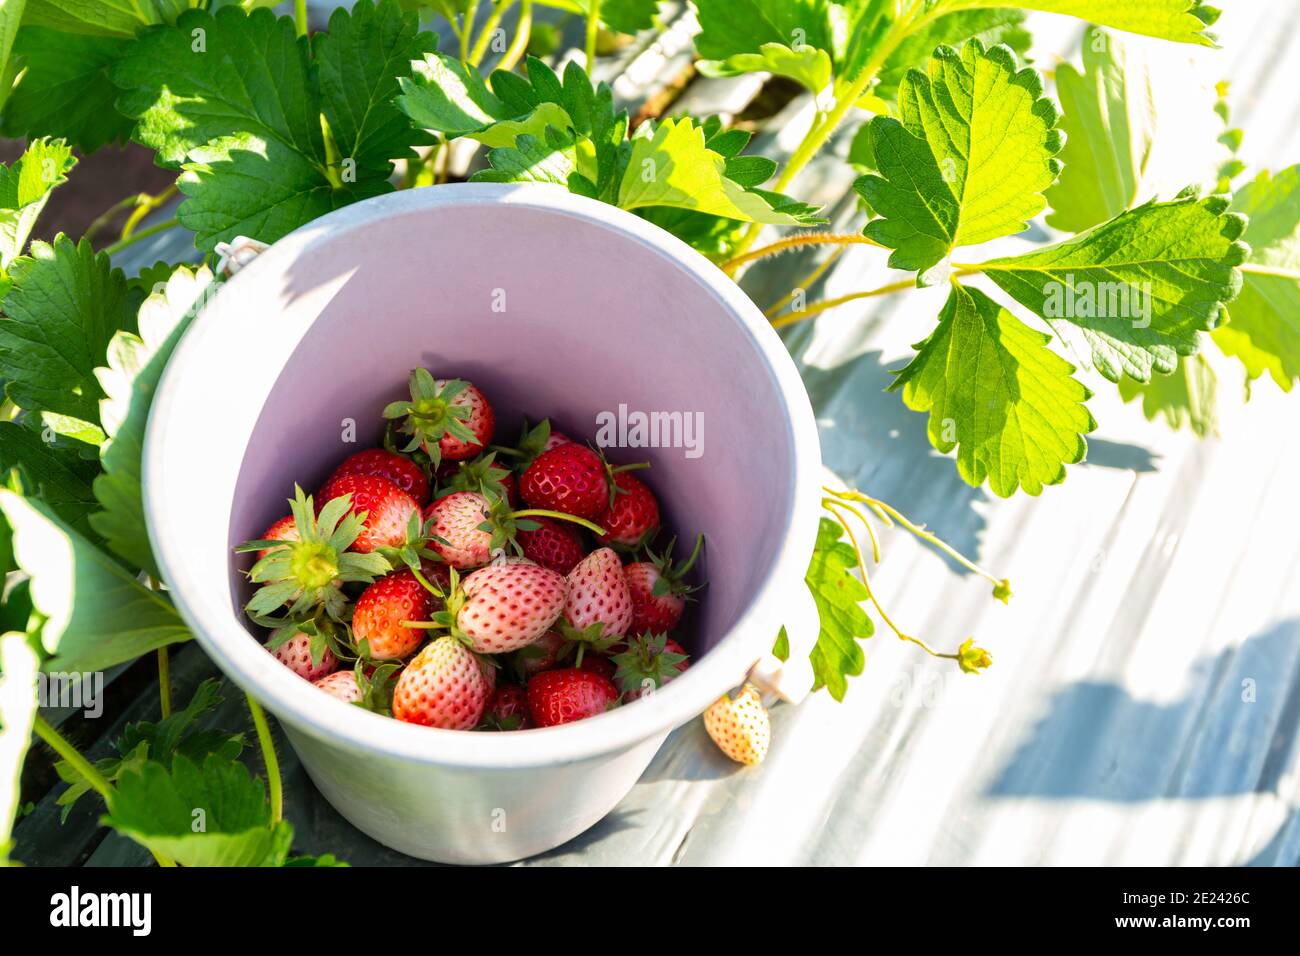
560	516
269	759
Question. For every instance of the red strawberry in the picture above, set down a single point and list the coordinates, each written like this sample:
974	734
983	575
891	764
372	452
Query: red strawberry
555	440
444	686
286	529
634	514
555	544
456	519
541	654
341	684
570	478
659	590
596	664
448	418
379	612
598	594
388	509
508	606
508	709
649	662
401	471
569	694
295	654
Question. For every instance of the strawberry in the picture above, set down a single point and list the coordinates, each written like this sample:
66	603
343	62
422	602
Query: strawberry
283	530
633	515
380	462
569	694
540	655
445	686
456	520
296	654
596	664
388	509
598	595
481	475
341	684
448	418
740	726
569	478
505	607
508	709
554	544
648	662
304	574
659	590
379	612
533	441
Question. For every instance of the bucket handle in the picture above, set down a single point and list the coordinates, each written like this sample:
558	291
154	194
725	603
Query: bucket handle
791	679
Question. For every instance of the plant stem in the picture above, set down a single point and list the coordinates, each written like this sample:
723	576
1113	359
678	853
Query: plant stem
60	745
164	683
805	283
146	205
467	29
819	307
593	29
499	7
797	242
142	234
300	17
519	45
559	516
271	761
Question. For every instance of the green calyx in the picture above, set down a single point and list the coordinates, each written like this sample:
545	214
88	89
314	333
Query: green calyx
576	641
672	577
431	414
481	475
301	578
646	662
531	443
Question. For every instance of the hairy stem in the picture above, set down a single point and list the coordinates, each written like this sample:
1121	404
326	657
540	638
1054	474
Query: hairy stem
300	17
773	310
797	242
489	30
593	30
142	234
467	29
164	683
559	516
271	761
523	33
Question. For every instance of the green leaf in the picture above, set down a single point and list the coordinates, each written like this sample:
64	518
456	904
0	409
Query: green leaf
213	814
19	665
1188	396
1109	122
65	90
96	613
966	161
1129	296
1183	21
995	392
24	188
532	160
135	365
96	17
990	27
11	17
808	66
242	115
629	16
60	478
449	97
671	165
65	305
838	594
1264	327
736	27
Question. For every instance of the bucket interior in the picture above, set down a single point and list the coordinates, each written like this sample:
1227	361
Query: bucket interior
551	315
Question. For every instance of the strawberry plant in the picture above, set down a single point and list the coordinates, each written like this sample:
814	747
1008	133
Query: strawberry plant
954	139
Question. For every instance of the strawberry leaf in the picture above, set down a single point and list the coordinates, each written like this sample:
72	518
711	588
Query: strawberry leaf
24	188
1264	327
1129	296
1183	21
101	19
995	392
60	477
66	303
966	161
838	594
1187	396
96	613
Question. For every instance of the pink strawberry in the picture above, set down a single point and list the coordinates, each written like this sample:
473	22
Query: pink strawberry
379	612
456	519
445	686
286	529
570	478
341	684
633	516
659	590
508	709
555	544
388	509
401	471
508	606
448	418
569	694
647	663
295	654
598	594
